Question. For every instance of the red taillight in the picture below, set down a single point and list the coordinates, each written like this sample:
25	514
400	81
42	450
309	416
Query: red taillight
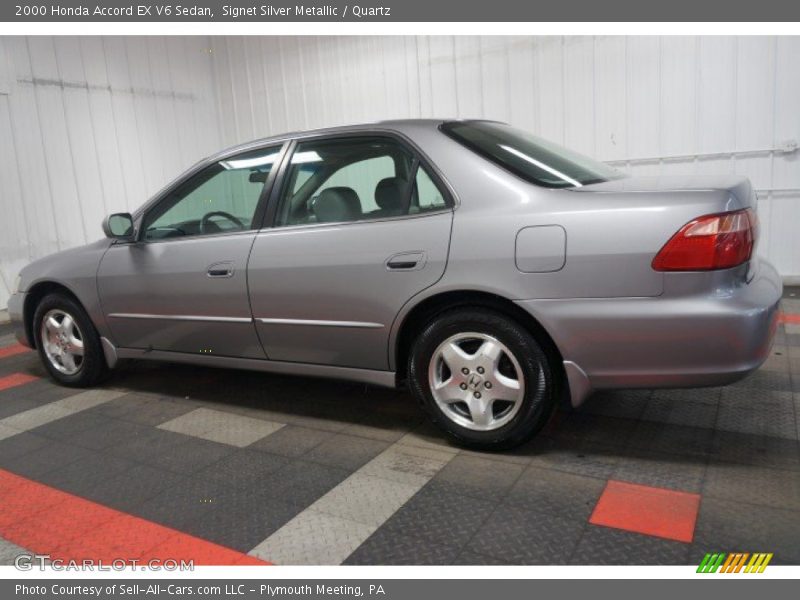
712	242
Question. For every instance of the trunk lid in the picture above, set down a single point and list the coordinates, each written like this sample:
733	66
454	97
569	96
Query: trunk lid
735	186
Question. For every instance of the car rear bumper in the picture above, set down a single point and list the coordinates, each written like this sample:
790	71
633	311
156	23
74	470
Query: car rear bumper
15	306
680	339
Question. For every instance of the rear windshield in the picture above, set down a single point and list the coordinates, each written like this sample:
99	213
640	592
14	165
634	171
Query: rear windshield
530	157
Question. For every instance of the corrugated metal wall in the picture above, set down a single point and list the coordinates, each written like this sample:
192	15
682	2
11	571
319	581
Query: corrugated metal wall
91	125
651	104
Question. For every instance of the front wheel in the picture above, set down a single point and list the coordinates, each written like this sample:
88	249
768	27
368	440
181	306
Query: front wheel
483	378
67	341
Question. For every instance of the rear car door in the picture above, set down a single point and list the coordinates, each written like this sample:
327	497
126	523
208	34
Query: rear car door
182	286
360	226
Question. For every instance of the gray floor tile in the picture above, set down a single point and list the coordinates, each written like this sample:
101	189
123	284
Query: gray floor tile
9	552
222	427
313	538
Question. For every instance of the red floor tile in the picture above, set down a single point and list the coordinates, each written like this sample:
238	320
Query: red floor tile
13	350
652	511
788	318
15	379
48	521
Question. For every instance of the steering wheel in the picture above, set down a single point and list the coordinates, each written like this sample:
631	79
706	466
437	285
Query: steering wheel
218	213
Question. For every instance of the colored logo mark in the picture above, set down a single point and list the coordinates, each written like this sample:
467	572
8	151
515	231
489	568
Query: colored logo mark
734	562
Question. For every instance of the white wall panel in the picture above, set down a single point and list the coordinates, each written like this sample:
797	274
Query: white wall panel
686	104
92	125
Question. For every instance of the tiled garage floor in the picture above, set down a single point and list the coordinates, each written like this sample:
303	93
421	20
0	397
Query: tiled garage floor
291	470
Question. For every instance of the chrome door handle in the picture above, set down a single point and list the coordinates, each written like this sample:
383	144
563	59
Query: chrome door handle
223	269
406	261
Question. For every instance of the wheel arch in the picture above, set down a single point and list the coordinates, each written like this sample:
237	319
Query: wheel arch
427	309
34	296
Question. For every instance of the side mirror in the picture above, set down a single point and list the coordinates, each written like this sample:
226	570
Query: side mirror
119	226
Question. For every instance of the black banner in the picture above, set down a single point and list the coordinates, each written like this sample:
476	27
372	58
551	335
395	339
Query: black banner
399	11
732	588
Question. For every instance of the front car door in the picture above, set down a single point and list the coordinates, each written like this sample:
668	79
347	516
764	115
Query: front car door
182	286
360	226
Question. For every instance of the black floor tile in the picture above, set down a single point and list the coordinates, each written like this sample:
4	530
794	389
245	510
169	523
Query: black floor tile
16	447
390	548
346	451
440	517
753	485
607	546
243	468
300	482
524	537
476	477
130	489
86	474
662	470
729	525
566	495
292	441
242	524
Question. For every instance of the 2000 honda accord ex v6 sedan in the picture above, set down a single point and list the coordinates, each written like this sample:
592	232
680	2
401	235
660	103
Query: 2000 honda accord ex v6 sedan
489	270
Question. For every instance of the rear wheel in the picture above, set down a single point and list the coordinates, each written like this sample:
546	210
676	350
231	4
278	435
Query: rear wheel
67	342
483	378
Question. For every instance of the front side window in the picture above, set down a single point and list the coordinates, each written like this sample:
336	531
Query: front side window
355	179
534	159
221	198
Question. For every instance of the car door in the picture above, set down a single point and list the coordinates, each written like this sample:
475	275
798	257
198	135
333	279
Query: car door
182	286
360	227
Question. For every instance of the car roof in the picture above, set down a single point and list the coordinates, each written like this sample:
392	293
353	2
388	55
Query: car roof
397	125
393	125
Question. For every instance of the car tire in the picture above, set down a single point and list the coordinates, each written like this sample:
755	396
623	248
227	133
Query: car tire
483	378
68	343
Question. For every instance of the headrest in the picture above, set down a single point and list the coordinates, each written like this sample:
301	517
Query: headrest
390	195
337	204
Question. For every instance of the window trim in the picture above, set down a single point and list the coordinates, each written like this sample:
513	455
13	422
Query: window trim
418	159
261	204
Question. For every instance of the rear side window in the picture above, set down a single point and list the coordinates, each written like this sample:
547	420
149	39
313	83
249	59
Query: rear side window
355	179
530	157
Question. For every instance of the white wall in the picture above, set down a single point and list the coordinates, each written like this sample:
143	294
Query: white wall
712	104
93	125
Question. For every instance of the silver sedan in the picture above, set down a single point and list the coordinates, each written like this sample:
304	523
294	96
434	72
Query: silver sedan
488	270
